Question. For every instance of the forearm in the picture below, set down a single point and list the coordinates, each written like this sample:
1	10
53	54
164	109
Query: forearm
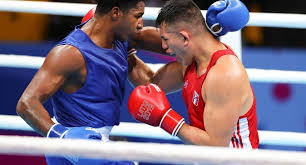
193	135
139	72
168	76
34	114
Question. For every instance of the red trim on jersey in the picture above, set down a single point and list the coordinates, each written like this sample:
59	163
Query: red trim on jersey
236	141
233	143
238	133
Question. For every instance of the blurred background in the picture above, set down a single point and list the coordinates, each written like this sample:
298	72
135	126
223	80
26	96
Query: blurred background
280	107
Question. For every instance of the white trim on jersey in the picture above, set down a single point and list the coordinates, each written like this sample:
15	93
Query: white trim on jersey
241	135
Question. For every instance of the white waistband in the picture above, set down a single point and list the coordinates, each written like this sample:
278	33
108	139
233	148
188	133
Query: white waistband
104	131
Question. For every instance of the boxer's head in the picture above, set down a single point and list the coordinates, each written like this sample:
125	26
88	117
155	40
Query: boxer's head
180	21
126	15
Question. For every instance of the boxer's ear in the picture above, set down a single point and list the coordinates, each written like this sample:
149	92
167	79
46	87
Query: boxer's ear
116	13
186	37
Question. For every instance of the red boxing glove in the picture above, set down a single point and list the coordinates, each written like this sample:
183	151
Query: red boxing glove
149	104
89	14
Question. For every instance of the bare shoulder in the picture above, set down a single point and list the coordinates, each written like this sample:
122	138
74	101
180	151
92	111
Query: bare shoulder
64	57
229	66
226	78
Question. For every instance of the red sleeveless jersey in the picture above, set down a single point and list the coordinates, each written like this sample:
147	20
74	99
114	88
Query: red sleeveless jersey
245	134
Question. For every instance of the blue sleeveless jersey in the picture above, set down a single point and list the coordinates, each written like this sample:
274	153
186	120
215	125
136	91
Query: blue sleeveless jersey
98	102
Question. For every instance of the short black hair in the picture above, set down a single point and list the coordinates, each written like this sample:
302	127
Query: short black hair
104	6
180	10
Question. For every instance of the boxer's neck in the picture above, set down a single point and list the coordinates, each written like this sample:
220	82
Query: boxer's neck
101	31
205	46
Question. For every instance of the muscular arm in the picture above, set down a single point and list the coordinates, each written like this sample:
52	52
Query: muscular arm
58	65
225	93
169	77
147	39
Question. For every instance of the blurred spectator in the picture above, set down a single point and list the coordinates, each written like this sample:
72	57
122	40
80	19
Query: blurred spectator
253	35
33	26
75	1
60	26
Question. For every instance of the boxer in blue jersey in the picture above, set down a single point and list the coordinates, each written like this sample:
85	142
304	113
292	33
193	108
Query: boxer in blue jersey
84	76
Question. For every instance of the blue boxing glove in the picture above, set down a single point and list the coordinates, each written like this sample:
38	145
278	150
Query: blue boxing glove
226	16
60	131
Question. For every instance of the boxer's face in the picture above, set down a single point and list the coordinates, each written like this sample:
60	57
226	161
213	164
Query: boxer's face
132	21
174	44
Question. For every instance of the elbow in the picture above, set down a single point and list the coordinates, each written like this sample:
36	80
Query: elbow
22	106
212	143
221	142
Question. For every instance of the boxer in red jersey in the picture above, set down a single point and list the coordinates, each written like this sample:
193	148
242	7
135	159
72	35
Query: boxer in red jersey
216	90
